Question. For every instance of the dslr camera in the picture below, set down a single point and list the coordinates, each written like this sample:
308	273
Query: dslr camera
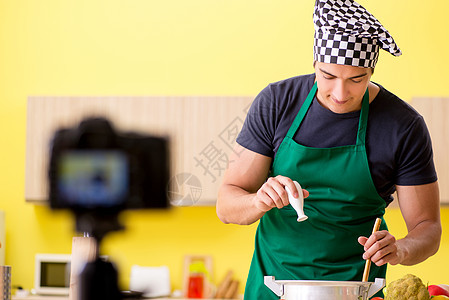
98	172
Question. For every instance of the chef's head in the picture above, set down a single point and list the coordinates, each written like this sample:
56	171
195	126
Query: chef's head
346	49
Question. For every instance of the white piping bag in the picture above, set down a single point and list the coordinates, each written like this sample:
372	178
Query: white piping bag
297	203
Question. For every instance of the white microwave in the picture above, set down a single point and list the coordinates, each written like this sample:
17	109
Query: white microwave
52	274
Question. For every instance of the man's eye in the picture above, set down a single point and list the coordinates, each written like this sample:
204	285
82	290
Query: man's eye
356	80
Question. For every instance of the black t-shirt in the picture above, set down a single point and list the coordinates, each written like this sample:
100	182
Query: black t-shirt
398	143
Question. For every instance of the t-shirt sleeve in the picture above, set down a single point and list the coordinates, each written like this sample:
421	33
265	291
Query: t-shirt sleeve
259	127
416	164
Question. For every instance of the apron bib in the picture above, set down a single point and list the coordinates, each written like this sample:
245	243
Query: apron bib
343	205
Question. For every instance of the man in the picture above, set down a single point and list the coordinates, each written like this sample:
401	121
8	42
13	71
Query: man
350	143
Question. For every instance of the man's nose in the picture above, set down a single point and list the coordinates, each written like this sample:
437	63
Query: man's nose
339	90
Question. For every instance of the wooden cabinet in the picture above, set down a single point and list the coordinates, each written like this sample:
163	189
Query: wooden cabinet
436	114
201	130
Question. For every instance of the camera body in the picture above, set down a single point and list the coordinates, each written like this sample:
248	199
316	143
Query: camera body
98	172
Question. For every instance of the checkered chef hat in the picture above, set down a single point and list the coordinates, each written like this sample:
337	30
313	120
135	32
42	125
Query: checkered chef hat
347	34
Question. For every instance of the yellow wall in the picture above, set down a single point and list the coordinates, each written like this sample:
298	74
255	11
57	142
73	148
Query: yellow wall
175	47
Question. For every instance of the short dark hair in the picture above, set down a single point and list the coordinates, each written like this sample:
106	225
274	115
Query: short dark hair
372	69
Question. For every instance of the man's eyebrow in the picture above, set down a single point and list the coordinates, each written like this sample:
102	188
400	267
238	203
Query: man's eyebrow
327	73
354	77
358	76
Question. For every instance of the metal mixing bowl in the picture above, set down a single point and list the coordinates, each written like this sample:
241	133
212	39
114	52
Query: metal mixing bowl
329	290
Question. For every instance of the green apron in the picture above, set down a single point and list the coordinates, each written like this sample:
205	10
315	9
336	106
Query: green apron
343	205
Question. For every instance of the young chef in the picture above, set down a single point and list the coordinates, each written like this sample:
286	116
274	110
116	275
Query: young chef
350	143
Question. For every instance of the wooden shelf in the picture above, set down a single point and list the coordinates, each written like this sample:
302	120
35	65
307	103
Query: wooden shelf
202	132
435	112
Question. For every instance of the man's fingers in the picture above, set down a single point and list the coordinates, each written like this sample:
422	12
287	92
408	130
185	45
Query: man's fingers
287	182
273	192
362	240
379	247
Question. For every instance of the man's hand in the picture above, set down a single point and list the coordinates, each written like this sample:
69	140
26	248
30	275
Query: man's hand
273	194
381	248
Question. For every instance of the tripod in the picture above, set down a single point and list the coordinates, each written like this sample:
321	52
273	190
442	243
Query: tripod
99	278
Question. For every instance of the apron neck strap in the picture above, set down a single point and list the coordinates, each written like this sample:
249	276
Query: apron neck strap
302	112
363	120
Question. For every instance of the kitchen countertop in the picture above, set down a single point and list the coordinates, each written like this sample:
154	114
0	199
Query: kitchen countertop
35	297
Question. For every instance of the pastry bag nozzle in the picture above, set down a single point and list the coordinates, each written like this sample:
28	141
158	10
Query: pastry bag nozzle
297	203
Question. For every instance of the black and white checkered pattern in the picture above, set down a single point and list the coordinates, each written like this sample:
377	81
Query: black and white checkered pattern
347	34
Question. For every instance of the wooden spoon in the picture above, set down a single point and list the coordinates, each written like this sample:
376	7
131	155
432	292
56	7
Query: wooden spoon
368	261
